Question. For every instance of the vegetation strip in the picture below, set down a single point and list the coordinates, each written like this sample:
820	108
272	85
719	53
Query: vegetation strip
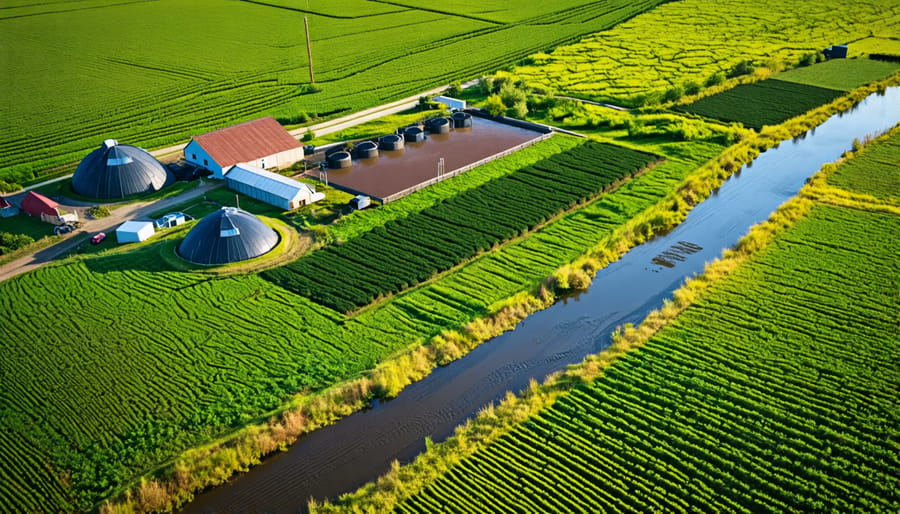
408	251
674	416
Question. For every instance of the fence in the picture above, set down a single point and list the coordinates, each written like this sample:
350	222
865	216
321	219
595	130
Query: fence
430	182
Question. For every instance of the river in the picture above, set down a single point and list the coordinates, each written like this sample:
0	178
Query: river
359	448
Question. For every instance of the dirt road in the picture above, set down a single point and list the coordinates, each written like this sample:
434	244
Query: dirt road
108	224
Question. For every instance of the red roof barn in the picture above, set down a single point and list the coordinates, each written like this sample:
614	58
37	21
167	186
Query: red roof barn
35	204
263	143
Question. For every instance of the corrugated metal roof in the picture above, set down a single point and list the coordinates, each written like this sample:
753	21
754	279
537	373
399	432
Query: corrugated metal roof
247	141
35	204
278	185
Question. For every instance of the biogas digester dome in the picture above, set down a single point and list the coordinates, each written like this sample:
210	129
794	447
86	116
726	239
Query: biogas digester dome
117	171
227	235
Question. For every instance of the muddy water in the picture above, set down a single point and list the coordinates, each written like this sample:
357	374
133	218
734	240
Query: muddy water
396	170
359	448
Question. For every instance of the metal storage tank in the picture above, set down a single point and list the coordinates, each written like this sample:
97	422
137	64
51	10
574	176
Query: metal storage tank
225	236
115	171
414	134
367	150
438	125
391	142
461	119
339	160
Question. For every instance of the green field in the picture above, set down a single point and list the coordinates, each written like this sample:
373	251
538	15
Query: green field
768	102
841	74
874	171
775	392
691	40
406	252
188	357
155	73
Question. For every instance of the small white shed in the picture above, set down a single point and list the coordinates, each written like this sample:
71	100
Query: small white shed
134	231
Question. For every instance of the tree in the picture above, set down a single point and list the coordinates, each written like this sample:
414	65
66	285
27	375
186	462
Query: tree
518	110
494	105
715	79
455	90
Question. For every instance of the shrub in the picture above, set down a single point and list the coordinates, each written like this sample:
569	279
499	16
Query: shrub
715	79
494	105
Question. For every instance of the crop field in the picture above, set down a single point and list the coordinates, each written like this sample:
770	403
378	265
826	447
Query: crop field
140	388
841	74
768	102
151	74
873	171
776	392
406	252
691	40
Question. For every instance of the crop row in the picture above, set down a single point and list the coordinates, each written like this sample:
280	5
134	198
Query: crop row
768	102
164	95
406	252
873	171
776	392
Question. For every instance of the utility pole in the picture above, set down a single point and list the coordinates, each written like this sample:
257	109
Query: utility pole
237	201
312	78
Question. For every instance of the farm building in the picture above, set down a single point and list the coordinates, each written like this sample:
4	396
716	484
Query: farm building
225	236
272	188
263	143
451	103
36	204
134	231
117	171
7	209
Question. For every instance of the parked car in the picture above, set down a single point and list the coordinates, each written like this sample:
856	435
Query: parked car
98	238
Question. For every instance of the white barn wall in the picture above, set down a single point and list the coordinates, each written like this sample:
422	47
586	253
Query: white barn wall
196	155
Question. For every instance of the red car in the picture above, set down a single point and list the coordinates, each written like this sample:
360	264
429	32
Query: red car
98	238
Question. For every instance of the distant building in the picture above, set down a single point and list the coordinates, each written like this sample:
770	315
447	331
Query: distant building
36	204
225	236
272	188
7	209
836	52
451	103
263	143
134	231
117	171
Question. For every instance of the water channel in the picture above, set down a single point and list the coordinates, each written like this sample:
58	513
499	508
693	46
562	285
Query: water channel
359	448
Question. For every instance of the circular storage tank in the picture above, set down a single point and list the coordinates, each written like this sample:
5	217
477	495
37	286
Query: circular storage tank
461	119
438	125
115	171
225	236
339	160
414	135
391	142
367	150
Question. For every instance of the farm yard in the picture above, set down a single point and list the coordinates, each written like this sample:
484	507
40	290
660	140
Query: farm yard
149	74
772	390
691	41
129	374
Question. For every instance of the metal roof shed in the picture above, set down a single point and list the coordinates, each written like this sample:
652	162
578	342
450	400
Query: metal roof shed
272	188
134	231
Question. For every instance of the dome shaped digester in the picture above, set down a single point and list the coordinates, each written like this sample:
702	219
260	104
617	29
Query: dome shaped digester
227	235
117	171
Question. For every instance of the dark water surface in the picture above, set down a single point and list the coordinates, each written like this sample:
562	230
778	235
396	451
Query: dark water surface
359	448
